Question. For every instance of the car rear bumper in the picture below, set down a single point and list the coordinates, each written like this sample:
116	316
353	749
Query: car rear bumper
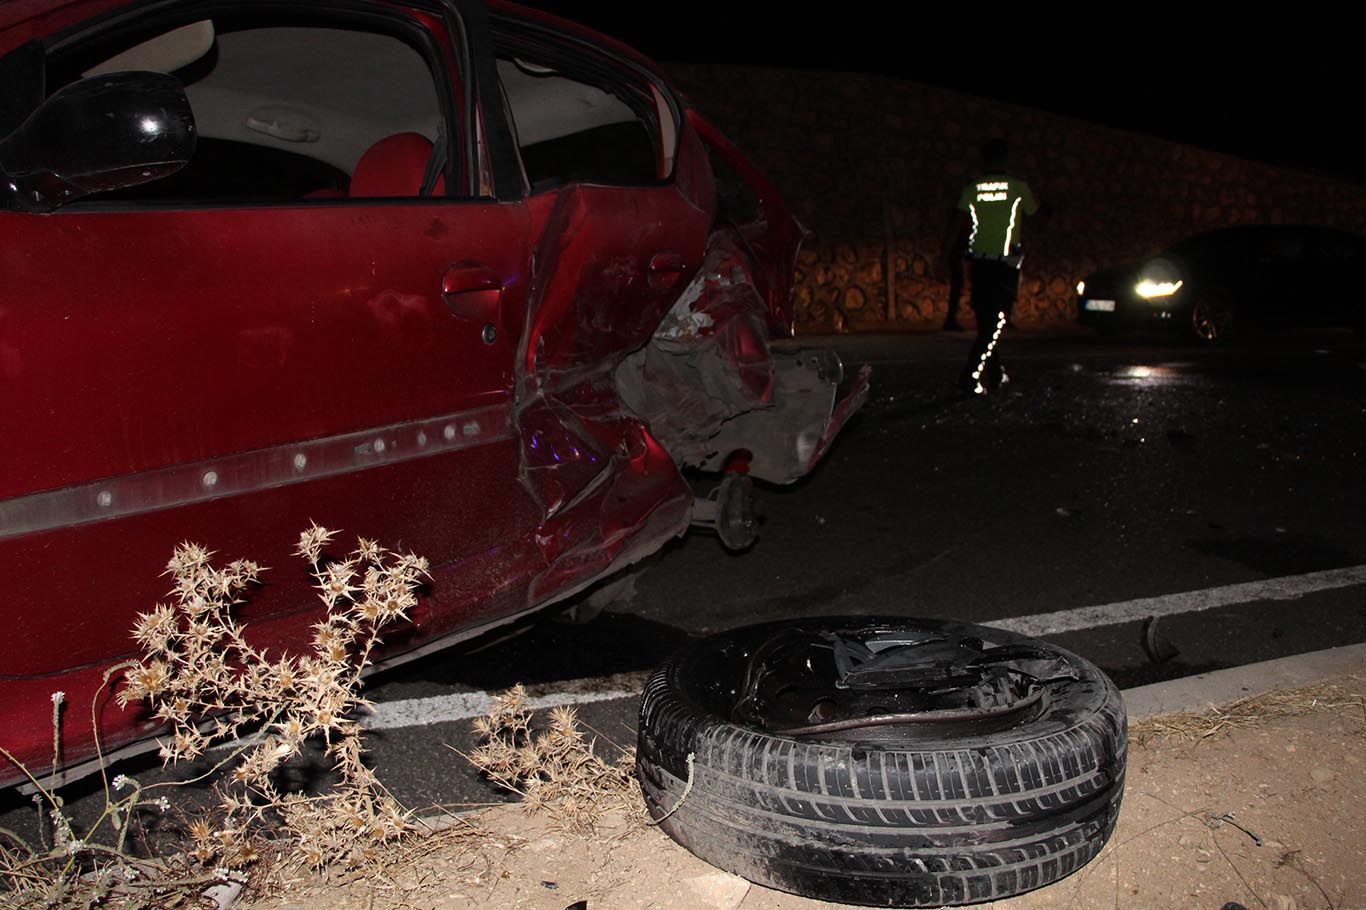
1105	312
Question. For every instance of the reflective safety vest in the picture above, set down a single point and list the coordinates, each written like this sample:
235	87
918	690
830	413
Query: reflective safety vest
997	205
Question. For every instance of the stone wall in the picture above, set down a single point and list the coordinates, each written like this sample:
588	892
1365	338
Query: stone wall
864	159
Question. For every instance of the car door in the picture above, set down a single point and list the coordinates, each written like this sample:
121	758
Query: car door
1280	289
1333	273
281	333
620	205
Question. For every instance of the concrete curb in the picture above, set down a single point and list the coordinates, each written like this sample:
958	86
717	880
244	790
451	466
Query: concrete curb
1219	687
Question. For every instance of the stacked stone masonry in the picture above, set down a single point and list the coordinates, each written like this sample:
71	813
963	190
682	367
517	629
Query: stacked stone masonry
862	159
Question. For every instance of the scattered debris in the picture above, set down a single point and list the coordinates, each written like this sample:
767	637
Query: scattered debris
224	896
719	890
1215	822
1158	647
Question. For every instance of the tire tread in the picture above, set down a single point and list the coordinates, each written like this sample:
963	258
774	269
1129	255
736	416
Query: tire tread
913	823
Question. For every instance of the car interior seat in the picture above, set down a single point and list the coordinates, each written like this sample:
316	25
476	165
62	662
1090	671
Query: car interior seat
394	166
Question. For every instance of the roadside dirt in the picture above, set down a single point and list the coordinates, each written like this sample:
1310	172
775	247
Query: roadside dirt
1267	817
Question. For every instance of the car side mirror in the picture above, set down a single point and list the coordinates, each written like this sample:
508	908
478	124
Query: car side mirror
101	133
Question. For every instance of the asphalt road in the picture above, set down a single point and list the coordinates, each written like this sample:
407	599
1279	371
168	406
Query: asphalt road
1213	488
1220	490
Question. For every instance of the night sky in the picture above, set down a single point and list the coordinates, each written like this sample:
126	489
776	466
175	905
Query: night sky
1284	87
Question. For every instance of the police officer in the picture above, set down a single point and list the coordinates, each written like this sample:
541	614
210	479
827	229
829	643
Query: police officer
992	211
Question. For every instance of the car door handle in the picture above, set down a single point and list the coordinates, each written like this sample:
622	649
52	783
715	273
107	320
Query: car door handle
472	291
665	269
666	263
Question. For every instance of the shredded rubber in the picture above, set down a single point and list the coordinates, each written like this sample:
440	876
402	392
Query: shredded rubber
687	788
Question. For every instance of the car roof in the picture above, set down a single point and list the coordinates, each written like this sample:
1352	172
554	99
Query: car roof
1257	233
1254	230
14	13
566	25
21	20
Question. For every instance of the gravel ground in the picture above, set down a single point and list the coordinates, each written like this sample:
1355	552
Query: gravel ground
1263	814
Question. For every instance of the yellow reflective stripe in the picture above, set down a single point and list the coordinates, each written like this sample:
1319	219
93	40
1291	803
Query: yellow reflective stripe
972	209
978	388
1015	207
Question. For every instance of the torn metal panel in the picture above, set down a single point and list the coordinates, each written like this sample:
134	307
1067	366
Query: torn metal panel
785	442
711	388
610	263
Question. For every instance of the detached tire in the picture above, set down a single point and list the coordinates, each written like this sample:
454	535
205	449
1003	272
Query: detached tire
907	784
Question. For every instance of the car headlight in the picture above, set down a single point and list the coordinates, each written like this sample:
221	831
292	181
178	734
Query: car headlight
1160	277
1147	288
1081	288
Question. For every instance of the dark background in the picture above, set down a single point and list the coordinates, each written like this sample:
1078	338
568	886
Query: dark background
1282	86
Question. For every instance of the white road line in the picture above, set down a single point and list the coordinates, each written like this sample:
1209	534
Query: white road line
418	712
1290	587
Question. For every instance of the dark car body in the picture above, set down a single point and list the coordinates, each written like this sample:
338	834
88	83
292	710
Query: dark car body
471	281
1209	284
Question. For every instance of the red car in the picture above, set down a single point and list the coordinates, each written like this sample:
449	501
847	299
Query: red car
470	280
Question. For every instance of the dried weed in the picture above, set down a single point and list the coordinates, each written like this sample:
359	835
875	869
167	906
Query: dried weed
209	685
1343	697
556	770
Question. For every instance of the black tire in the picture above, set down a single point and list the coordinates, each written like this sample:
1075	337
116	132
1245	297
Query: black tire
909	815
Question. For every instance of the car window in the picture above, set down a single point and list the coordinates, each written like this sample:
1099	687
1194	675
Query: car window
1281	247
288	109
736	202
1337	248
580	117
1226	247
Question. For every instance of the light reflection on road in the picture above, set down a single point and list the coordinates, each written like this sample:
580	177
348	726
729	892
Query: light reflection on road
1167	374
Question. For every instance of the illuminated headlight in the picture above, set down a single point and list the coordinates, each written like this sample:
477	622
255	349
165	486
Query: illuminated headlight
1147	288
1081	288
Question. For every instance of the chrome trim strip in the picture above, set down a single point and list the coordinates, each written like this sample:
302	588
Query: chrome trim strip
249	472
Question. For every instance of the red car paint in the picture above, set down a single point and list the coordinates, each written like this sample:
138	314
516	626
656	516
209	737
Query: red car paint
441	374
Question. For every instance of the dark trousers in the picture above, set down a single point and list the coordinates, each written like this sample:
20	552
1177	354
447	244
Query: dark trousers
994	286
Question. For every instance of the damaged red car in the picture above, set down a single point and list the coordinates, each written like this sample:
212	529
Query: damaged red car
467	279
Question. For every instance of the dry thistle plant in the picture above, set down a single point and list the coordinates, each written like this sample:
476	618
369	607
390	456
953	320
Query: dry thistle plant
1252	710
554	770
98	867
210	685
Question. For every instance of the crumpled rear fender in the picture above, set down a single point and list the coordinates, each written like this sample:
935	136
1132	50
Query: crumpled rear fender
716	395
783	443
772	240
